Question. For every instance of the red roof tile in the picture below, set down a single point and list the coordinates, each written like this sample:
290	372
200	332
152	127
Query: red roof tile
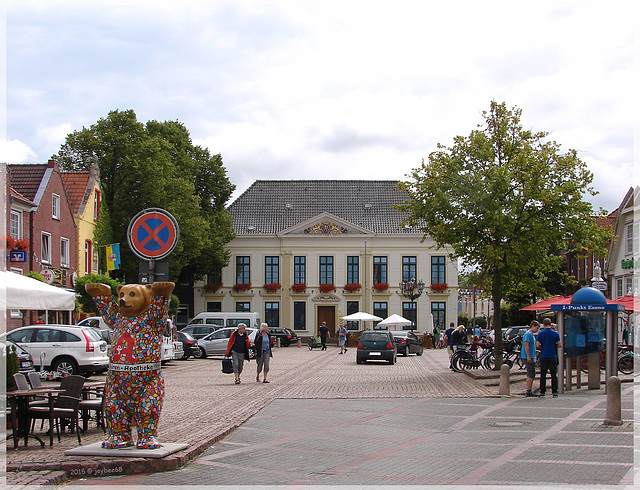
75	183
26	178
16	195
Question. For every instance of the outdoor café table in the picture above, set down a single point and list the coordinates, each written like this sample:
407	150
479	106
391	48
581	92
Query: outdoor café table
20	413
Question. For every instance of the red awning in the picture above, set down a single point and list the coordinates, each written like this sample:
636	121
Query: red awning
630	302
545	304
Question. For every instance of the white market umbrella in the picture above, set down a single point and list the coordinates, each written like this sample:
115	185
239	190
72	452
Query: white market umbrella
361	315
24	293
395	321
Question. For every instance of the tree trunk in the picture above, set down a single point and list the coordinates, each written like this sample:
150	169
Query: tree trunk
496	296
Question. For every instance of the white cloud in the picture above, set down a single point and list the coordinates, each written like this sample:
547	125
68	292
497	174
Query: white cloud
15	151
332	89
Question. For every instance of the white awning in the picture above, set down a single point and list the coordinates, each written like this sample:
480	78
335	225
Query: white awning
24	293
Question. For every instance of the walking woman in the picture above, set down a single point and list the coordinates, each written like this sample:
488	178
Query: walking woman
238	349
263	352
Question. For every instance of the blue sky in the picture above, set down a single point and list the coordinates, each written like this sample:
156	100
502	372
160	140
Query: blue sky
326	90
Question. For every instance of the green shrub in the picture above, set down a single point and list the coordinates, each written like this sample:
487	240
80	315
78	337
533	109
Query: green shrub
86	301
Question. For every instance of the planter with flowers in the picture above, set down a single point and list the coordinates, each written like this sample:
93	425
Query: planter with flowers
10	242
212	287
299	287
352	287
21	244
380	287
327	287
438	287
241	287
272	287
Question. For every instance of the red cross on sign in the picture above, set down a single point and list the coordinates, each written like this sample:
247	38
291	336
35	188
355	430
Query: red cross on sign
153	234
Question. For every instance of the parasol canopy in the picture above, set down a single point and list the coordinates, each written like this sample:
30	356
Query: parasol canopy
361	315
630	302
395	321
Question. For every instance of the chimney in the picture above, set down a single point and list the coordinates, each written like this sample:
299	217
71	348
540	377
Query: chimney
54	165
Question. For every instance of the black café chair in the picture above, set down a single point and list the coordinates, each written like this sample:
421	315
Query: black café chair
21	382
96	405
65	405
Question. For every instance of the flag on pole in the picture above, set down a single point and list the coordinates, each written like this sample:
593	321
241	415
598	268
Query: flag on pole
113	256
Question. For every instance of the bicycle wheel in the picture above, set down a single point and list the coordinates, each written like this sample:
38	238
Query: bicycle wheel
489	362
460	361
625	363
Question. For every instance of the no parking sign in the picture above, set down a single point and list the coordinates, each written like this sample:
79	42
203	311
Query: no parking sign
153	234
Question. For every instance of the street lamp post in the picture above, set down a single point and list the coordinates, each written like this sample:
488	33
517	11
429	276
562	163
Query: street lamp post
412	290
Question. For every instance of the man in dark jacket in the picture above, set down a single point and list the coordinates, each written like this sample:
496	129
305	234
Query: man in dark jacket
263	351
238	349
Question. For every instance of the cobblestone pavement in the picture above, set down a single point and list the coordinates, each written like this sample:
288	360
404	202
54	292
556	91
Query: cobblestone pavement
202	404
421	395
462	442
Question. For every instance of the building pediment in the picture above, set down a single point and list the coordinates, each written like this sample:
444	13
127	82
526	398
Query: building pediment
325	224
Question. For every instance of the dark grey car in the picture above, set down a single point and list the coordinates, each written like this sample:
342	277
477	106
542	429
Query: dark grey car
408	342
376	346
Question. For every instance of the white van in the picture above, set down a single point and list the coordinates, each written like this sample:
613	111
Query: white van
220	319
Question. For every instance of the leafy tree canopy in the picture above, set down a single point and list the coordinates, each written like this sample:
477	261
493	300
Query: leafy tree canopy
156	165
507	200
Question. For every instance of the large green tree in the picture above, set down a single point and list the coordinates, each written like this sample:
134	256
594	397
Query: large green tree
506	199
156	165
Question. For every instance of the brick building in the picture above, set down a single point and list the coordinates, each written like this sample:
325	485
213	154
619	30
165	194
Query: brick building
39	202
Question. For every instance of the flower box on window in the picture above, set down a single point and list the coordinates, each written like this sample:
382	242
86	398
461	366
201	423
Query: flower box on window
327	287
438	287
352	287
212	287
272	287
299	287
21	244
241	286
381	286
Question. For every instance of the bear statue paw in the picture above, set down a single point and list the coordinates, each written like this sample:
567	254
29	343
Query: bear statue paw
148	443
117	443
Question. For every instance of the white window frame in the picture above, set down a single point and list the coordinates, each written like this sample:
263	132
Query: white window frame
64	252
55	206
96	204
45	246
13	312
630	239
15	225
88	256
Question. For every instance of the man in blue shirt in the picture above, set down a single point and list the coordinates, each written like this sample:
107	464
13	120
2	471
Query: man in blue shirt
528	352
548	343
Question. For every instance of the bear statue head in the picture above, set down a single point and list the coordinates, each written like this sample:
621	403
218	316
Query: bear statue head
134	299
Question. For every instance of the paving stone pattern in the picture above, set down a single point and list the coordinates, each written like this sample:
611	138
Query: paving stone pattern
324	420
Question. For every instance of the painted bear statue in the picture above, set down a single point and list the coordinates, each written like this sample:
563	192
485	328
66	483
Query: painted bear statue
135	388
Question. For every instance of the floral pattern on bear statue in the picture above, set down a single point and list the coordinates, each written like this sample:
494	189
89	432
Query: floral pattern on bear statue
135	387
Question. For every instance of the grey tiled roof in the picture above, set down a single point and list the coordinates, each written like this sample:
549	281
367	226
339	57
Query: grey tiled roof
271	206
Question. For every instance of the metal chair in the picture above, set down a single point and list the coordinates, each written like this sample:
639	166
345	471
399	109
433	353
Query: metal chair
95	405
65	406
21	382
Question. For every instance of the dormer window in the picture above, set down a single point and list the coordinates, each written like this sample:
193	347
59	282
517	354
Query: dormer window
55	206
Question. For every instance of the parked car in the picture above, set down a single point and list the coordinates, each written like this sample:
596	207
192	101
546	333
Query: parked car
407	342
512	332
100	325
200	331
70	349
24	358
216	342
376	346
223	319
286	336
189	345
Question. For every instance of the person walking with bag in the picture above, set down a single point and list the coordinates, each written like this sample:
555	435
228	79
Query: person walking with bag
238	349
342	338
263	352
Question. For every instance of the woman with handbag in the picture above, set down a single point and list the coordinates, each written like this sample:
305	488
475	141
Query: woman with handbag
238	349
263	352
